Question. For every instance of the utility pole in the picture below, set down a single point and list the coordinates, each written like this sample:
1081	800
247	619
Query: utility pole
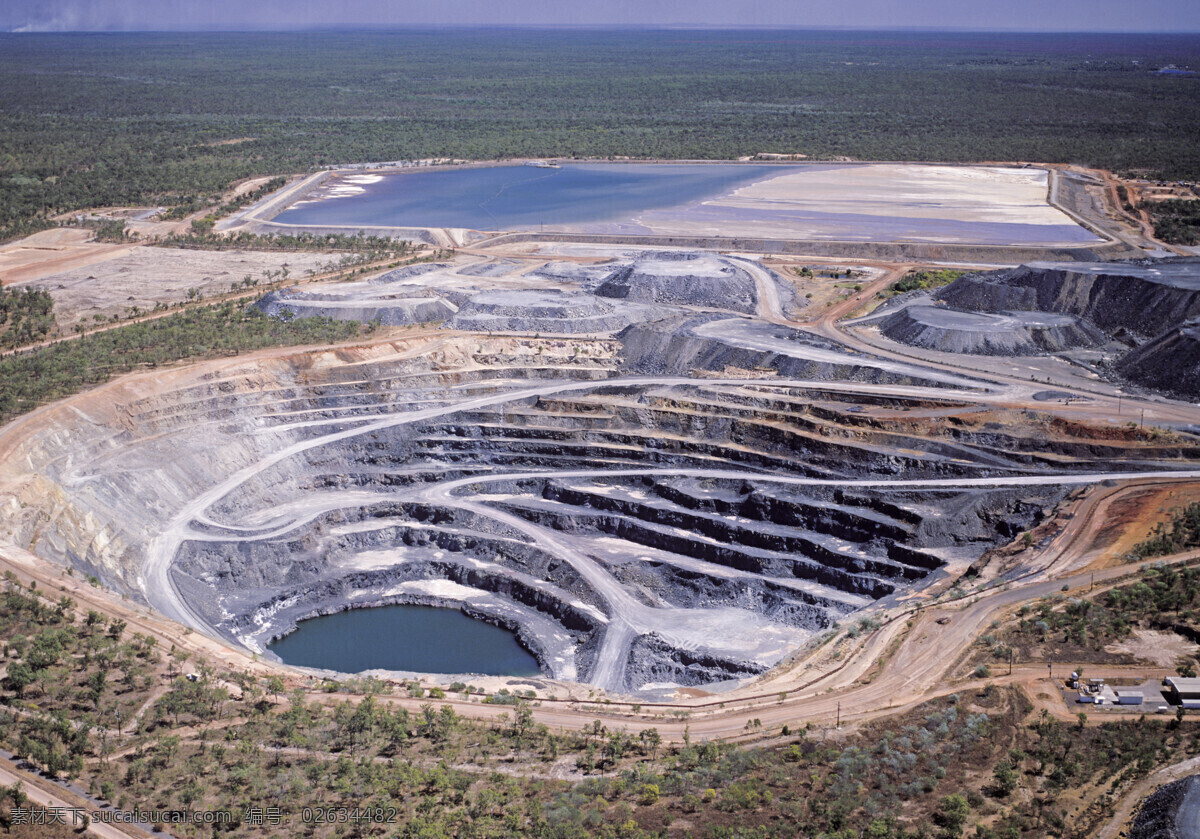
839	717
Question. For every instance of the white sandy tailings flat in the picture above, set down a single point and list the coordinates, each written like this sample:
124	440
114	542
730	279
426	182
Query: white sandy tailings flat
962	193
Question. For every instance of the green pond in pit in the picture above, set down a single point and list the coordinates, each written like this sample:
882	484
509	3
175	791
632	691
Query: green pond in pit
423	639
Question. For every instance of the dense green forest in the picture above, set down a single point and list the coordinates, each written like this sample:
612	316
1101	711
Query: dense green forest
32	378
88	120
1176	221
26	315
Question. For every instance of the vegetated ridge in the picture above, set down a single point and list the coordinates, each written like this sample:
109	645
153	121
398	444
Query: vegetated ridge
1180	534
403	759
33	377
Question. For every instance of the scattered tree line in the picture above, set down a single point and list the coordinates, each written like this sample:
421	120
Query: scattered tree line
244	240
206	224
86	698
1181	533
1176	220
1163	598
33	378
922	280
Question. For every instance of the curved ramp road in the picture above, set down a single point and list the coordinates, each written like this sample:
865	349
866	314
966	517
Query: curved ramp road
627	618
155	579
674	503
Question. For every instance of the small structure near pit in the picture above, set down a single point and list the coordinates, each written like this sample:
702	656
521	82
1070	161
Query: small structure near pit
1183	691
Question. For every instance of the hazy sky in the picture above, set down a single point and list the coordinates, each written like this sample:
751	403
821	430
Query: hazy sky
1085	15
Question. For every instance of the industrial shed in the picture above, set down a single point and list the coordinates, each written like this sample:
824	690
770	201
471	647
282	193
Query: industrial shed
1183	691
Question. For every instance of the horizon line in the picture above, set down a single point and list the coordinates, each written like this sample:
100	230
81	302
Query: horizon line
682	27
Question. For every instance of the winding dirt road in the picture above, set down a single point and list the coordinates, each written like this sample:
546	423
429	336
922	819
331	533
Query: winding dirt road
909	659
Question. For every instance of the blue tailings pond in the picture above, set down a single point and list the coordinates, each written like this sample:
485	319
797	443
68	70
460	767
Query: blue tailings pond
423	639
832	201
523	197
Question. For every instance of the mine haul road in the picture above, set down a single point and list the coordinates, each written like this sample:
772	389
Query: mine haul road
899	665
627	617
155	579
53	796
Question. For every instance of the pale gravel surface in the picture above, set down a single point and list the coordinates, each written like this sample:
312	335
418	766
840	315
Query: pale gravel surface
145	276
1163	649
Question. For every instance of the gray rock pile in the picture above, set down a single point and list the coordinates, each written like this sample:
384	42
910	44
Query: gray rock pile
1145	298
1170	813
1010	333
1145	312
546	311
683	279
1170	362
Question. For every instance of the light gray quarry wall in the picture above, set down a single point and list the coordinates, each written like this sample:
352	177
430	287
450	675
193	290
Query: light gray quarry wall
388	312
898	251
671	347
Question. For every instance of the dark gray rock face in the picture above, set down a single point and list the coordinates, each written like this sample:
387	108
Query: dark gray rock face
1044	308
685	503
1007	333
387	310
1146	297
683	344
1169	363
654	661
1172	812
683	279
546	311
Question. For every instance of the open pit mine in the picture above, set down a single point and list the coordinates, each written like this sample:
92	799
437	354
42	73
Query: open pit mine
658	468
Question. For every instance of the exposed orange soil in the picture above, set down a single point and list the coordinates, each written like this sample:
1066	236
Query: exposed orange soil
1131	518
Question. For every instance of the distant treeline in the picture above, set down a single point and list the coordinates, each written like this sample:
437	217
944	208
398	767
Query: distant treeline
323	242
115	119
